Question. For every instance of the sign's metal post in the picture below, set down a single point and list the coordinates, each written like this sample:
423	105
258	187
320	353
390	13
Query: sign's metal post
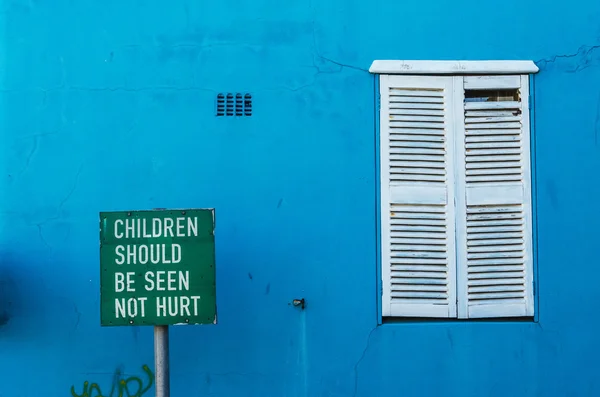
161	360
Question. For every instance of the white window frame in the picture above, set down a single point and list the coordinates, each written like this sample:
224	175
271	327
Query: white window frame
467	75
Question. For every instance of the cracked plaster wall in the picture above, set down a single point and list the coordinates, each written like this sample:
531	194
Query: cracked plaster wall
109	105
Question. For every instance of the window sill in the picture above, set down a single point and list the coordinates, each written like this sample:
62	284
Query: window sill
452	67
420	320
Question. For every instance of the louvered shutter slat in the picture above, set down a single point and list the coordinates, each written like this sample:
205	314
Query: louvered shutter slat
401	113
501	279
494	218
493	105
418	257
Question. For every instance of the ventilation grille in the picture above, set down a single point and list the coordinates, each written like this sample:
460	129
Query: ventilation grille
417	149
495	254
234	105
419	257
493	141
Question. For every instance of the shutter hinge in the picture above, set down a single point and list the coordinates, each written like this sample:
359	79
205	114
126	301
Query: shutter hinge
529	102
534	288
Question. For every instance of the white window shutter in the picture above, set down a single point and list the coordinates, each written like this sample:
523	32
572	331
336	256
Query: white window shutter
417	190
494	221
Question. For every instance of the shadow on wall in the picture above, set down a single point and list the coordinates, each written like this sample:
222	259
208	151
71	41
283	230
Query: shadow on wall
132	386
18	274
3	317
8	292
27	301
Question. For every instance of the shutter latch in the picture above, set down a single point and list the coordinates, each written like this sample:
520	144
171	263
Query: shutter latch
299	302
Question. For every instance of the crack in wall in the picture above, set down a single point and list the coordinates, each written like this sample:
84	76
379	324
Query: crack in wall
70	193
585	57
61	204
362	356
30	155
317	51
41	234
597	123
78	314
344	65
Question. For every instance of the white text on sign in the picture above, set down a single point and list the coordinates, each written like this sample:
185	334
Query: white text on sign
153	254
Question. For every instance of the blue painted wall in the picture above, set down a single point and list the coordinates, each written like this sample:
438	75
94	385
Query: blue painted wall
109	105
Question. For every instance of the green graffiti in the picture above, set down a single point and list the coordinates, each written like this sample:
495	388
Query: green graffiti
130	387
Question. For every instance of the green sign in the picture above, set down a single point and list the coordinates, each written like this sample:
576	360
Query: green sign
157	267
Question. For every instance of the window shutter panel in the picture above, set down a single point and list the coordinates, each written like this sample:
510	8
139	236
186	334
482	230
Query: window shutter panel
417	189
494	225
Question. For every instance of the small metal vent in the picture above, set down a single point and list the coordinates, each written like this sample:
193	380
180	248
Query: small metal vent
234	104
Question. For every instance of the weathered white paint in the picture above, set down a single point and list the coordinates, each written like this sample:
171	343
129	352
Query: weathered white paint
461	199
488	195
494	266
468	176
406	193
416	197
527	199
452	67
488	82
